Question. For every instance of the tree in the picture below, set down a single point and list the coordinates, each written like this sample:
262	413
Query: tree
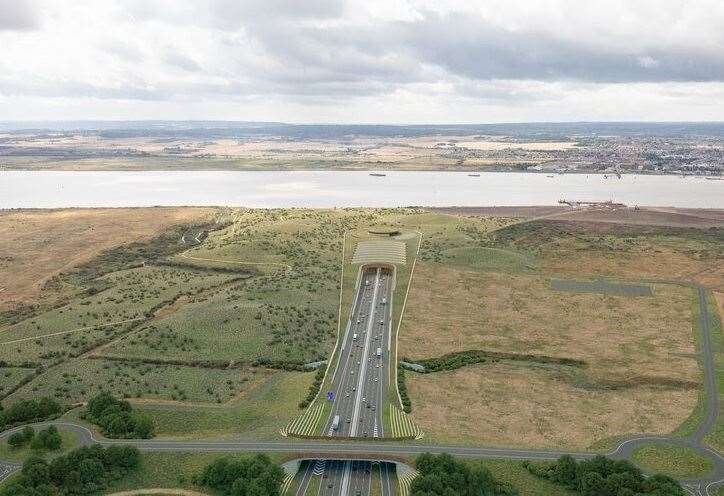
47	439
443	475
16	440
143	427
592	484
28	433
601	476
255	476
35	472
564	471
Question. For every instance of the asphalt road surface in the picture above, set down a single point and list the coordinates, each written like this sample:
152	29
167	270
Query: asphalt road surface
360	382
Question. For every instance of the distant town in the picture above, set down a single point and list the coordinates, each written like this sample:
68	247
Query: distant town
614	148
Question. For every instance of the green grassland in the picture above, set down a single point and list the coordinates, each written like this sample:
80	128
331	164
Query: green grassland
715	439
678	462
90	320
246	322
514	473
73	384
174	470
12	376
259	414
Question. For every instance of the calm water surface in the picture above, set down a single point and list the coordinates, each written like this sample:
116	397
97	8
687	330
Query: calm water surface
46	189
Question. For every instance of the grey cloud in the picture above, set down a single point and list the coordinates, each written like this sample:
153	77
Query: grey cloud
122	50
470	47
475	49
16	15
231	14
181	61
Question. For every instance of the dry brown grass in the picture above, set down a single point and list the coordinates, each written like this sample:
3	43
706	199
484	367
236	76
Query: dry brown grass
622	339
507	404
35	245
642	374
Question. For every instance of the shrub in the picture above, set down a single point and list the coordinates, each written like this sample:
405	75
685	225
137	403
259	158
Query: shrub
82	471
48	439
443	475
314	388
117	419
601	475
402	388
250	476
29	411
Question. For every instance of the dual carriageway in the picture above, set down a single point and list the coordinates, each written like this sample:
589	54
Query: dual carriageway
360	384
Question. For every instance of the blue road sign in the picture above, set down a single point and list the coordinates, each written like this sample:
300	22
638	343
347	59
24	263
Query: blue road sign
330	395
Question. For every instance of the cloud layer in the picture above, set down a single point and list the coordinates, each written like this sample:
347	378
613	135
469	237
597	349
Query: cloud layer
374	61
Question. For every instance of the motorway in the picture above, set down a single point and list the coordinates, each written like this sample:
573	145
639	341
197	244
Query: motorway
359	385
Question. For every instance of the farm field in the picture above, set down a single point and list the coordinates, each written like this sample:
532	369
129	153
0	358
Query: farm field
578	367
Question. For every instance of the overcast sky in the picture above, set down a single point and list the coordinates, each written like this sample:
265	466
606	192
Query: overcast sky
370	61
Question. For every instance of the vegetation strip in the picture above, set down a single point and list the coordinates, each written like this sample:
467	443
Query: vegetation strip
452	361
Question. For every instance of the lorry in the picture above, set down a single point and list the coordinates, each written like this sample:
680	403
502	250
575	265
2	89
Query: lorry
335	423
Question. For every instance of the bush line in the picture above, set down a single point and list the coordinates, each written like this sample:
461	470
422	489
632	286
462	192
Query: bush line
456	360
402	388
314	388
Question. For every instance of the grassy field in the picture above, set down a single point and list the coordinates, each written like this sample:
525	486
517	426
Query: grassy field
675	461
513	472
149	381
173	470
11	376
715	439
621	339
257	414
8	453
636	352
519	404
185	329
37	245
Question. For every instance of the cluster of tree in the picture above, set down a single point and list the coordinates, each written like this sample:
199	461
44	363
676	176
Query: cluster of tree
279	364
29	411
402	388
252	476
84	470
443	475
314	388
47	439
117	419
453	361
601	476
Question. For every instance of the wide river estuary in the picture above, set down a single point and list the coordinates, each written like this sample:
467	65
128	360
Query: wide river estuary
54	189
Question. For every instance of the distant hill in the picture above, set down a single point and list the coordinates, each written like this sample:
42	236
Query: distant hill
238	129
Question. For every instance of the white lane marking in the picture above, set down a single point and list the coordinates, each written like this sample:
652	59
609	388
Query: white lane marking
363	361
339	403
345	479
